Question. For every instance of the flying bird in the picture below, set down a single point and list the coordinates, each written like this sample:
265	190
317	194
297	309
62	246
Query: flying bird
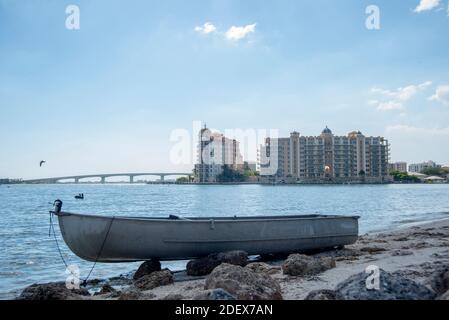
41	163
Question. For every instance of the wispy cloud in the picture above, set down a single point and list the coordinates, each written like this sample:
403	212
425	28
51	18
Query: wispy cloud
441	95
403	93
206	28
238	33
427	5
390	105
395	99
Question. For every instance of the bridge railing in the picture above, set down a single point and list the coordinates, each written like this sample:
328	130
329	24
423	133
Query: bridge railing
104	176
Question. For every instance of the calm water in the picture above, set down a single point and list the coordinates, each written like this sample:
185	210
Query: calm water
29	255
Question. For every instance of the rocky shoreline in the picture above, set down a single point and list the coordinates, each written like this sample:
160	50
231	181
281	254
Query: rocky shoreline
411	263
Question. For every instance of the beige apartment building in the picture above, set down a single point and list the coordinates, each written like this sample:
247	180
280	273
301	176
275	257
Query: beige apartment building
398	166
326	158
215	151
419	167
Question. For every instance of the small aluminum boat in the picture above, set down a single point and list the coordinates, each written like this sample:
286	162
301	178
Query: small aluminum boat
126	239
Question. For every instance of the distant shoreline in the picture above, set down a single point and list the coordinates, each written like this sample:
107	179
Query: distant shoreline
234	183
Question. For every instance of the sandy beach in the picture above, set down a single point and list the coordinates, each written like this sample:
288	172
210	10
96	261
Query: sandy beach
414	252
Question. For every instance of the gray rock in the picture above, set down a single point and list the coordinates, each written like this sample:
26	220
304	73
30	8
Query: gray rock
214	294
243	283
444	296
174	297
146	268
129	294
302	265
440	281
94	282
392	287
155	279
134	294
52	291
261	267
373	250
105	289
237	258
204	266
324	295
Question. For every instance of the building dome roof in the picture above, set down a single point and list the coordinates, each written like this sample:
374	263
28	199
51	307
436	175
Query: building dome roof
327	130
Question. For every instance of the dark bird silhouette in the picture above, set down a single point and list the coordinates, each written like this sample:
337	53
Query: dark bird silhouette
41	163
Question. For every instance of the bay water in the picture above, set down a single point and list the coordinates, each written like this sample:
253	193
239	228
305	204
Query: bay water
29	255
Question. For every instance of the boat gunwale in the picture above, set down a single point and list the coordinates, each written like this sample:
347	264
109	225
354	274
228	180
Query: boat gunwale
208	219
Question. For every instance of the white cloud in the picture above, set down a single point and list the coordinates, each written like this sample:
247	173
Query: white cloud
423	131
206	28
396	98
426	5
403	93
441	95
238	33
390	105
408	92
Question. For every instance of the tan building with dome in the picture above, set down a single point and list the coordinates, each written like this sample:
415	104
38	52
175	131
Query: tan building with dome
326	157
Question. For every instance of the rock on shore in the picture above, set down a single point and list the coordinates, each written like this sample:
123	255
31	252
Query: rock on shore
302	265
324	294
391	287
243	283
154	279
264	268
147	268
52	291
440	281
214	294
204	266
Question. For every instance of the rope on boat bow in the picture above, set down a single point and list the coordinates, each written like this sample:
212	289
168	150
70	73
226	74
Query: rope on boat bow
99	252
51	229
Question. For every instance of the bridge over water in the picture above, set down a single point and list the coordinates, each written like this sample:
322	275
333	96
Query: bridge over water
103	177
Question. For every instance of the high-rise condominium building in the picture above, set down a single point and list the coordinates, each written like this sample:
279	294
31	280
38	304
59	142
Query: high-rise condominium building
398	166
214	152
326	157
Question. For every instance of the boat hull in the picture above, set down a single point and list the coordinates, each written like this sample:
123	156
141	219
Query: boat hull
118	239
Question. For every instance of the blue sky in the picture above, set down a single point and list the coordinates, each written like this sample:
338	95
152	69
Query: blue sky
106	97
